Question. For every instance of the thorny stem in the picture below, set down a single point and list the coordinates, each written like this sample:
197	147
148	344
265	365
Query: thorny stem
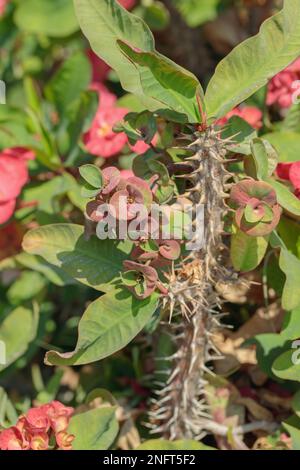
194	302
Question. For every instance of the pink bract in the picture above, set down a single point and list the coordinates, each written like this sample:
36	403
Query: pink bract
145	275
257	212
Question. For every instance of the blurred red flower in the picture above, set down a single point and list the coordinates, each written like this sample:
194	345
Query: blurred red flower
100	69
250	114
290	172
3	4
128	4
283	86
13	176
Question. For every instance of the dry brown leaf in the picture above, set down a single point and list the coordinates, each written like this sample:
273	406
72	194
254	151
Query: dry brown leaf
275	401
259	412
265	320
129	438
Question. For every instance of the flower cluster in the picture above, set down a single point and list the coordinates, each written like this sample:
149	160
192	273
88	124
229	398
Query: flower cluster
122	199
250	114
257	212
42	428
284	86
13	176
290	172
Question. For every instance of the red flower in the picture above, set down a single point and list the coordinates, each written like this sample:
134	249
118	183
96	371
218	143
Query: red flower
128	4
100	69
12	439
39	441
3	4
101	140
141	147
295	175
64	440
290	172
251	114
38	420
283	86
13	176
33	430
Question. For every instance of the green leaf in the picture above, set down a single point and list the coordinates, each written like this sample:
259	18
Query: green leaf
242	134
291	327
131	102
8	414
46	194
287	145
252	63
108	325
292	119
95	429
92	175
247	252
38	264
156	15
95	263
260	156
161	444
148	74
166	81
296	403
289	231
54	18
26	287
290	265
268	347
285	198
17	331
89	191
78	119
287	365
292	425
196	13
105	21
73	77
